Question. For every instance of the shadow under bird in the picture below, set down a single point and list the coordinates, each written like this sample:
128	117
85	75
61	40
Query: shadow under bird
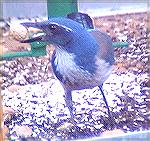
82	59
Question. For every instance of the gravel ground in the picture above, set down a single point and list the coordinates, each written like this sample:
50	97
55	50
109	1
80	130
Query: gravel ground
30	88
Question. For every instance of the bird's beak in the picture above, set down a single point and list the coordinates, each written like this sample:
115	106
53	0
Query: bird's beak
39	37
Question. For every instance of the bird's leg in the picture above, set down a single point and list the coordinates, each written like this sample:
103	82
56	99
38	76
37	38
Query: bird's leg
68	100
111	118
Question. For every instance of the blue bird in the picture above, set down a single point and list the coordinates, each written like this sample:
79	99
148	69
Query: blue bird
82	58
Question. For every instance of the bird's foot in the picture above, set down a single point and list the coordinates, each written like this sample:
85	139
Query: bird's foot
111	121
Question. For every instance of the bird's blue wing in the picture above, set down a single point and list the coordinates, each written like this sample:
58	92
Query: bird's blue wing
105	50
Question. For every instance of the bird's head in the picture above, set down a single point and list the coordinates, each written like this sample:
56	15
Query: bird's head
57	31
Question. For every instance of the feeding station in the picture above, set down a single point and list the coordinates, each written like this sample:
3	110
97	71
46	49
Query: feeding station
56	8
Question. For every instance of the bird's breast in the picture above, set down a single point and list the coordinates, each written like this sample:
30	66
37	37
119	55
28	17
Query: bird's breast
75	77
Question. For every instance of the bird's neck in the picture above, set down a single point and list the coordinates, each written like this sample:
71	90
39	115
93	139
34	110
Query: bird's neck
63	58
72	60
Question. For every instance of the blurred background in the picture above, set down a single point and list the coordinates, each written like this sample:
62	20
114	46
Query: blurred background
93	8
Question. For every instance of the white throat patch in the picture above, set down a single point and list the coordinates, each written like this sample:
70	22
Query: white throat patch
64	61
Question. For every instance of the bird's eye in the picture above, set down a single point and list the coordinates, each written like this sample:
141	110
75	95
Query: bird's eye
53	27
